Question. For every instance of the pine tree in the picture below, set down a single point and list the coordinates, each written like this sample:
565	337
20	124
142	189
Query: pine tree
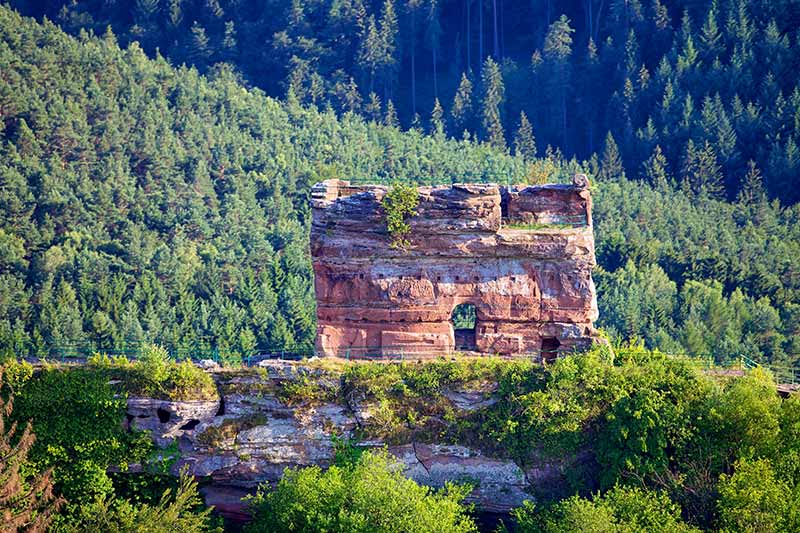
493	98
352	97
557	50
175	16
146	9
524	141
416	123
412	6
437	118
371	51
701	173
199	50
280	336
229	42
752	190
390	118
461	112
373	108
433	38
711	43
660	15
631	53
655	169
388	39
611	164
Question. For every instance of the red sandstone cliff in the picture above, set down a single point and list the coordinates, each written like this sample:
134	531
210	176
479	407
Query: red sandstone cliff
531	286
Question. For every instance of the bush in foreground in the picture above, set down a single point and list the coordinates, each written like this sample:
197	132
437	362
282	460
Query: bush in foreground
620	510
178	510
370	495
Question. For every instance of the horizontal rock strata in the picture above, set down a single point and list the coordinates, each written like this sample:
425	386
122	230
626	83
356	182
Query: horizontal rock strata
250	434
522	256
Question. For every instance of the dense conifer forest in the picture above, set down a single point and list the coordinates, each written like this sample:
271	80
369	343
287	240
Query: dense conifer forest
145	202
155	167
691	91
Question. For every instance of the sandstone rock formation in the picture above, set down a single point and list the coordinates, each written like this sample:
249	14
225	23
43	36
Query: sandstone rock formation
251	433
522	256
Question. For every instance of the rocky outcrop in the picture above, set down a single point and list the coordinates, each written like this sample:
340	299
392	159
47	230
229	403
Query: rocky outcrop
498	485
522	256
255	430
169	420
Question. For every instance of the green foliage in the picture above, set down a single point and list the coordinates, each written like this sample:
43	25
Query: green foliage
178	509
464	316
155	375
214	251
191	228
620	510
371	495
701	277
399	204
577	68
753	499
410	401
345	453
77	420
27	502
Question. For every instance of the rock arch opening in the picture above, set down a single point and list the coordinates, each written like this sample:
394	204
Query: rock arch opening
465	321
550	349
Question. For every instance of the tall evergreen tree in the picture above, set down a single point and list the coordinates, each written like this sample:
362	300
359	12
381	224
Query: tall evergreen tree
492	102
655	169
200	45
752	191
373	108
557	50
461	111
611	164
711	43
701	172
524	141
437	118
390	118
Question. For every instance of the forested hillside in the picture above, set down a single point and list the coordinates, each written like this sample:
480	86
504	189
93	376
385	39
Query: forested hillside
706	85
146	203
139	201
143	203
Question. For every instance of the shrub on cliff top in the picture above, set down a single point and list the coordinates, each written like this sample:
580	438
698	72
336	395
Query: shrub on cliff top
180	510
77	418
371	495
399	204
27	501
155	375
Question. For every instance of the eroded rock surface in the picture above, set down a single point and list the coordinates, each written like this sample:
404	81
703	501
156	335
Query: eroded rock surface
253	431
522	256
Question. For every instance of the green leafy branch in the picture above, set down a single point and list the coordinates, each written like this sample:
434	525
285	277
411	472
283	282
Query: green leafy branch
399	204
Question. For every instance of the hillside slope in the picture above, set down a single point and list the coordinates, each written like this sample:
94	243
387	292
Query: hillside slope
140	201
712	83
143	202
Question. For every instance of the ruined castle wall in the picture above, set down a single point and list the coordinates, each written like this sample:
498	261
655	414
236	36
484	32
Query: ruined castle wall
467	246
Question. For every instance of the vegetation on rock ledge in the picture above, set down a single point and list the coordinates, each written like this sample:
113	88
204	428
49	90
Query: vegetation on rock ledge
399	204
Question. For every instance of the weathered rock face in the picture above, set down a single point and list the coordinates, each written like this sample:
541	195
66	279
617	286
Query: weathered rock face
251	434
532	288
